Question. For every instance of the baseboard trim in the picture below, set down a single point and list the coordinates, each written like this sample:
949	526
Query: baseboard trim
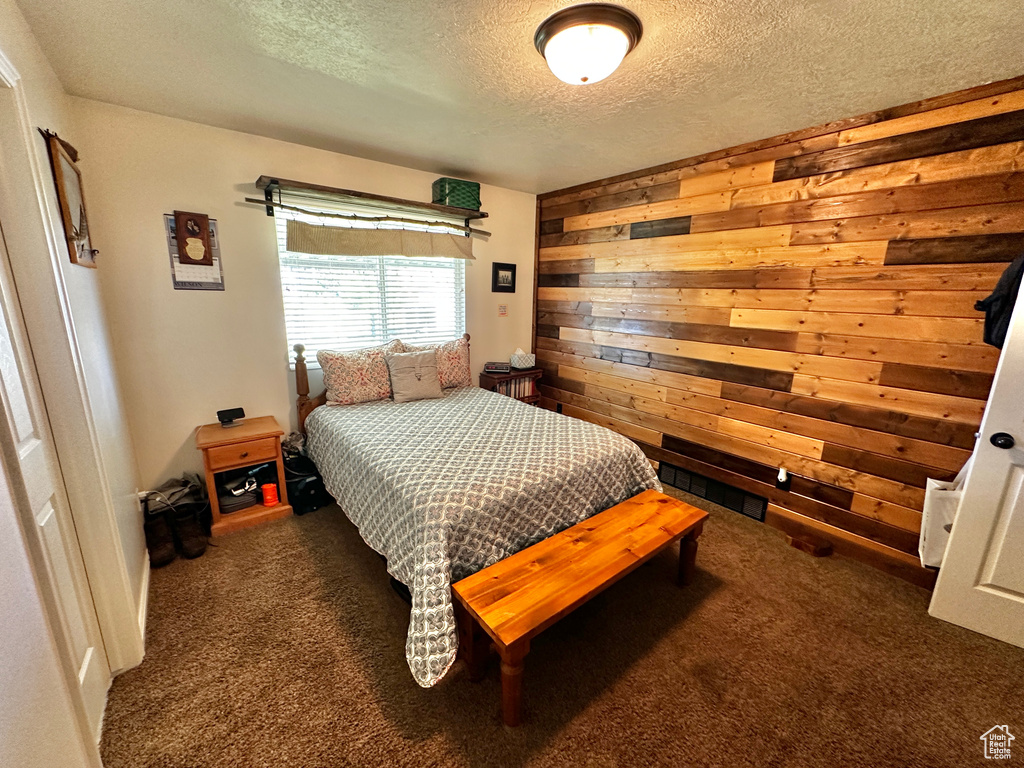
143	601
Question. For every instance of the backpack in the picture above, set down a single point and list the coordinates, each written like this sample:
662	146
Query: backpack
999	306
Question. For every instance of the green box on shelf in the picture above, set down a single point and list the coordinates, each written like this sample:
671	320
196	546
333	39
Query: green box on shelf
457	193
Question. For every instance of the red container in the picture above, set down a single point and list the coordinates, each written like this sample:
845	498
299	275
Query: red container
269	495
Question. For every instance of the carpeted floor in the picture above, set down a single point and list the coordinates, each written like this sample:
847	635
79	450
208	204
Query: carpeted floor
284	646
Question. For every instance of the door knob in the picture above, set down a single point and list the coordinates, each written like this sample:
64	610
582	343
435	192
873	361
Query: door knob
1002	440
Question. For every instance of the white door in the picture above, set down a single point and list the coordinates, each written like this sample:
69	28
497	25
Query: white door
30	460
981	583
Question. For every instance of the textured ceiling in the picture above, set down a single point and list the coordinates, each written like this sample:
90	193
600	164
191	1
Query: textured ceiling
456	87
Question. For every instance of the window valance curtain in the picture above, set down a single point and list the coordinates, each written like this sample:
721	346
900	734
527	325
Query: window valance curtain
322	240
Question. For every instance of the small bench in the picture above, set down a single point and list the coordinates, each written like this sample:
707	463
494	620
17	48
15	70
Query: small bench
517	598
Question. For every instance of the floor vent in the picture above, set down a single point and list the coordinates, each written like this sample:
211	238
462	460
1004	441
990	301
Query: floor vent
714	491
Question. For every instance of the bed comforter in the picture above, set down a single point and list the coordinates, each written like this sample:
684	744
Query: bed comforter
443	488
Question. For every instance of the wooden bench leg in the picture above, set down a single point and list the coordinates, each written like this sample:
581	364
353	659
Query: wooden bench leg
474	644
687	557
512	684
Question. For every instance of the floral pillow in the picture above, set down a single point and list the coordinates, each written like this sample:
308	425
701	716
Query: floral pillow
452	361
359	376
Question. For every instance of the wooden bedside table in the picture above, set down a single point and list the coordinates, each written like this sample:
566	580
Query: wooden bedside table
254	441
519	384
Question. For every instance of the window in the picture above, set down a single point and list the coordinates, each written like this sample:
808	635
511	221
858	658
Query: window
350	302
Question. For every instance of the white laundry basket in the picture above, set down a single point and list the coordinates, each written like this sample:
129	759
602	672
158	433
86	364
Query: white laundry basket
941	500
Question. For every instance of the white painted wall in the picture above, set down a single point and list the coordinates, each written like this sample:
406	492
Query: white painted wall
67	327
183	355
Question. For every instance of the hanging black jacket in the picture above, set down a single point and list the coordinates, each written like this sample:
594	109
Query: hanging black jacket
999	306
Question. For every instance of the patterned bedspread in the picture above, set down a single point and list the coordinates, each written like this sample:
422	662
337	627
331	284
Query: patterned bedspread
443	488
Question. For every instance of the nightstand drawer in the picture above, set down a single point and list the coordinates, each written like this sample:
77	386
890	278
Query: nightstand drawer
243	453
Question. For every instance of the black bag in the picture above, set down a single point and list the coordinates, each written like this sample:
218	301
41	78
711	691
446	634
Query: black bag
306	491
182	496
999	306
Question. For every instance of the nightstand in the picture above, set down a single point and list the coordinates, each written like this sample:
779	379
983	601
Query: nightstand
519	384
254	441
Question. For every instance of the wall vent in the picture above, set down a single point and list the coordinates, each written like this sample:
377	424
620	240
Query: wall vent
714	491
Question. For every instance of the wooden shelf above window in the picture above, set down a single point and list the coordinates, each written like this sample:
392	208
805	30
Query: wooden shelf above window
336	194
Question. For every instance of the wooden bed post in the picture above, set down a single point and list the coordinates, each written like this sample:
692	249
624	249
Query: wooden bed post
301	376
301	386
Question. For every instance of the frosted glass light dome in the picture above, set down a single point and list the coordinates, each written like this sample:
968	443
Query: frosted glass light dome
586	53
584	44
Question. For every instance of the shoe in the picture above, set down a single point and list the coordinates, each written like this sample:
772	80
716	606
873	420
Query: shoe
159	539
191	537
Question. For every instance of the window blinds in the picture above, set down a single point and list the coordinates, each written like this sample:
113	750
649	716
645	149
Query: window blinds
349	302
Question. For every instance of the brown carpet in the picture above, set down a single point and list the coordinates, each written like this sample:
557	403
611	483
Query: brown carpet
284	646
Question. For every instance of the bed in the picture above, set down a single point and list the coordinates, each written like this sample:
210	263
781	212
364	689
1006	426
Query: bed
443	488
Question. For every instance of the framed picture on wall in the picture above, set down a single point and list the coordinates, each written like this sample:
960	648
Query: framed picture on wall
193	235
503	277
68	179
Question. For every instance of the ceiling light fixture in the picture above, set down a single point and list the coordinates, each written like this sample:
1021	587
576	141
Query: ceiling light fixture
585	43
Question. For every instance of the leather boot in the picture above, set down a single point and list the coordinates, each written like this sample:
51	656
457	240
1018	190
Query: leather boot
191	538
159	539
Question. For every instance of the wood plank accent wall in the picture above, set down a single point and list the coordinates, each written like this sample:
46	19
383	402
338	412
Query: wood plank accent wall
806	301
